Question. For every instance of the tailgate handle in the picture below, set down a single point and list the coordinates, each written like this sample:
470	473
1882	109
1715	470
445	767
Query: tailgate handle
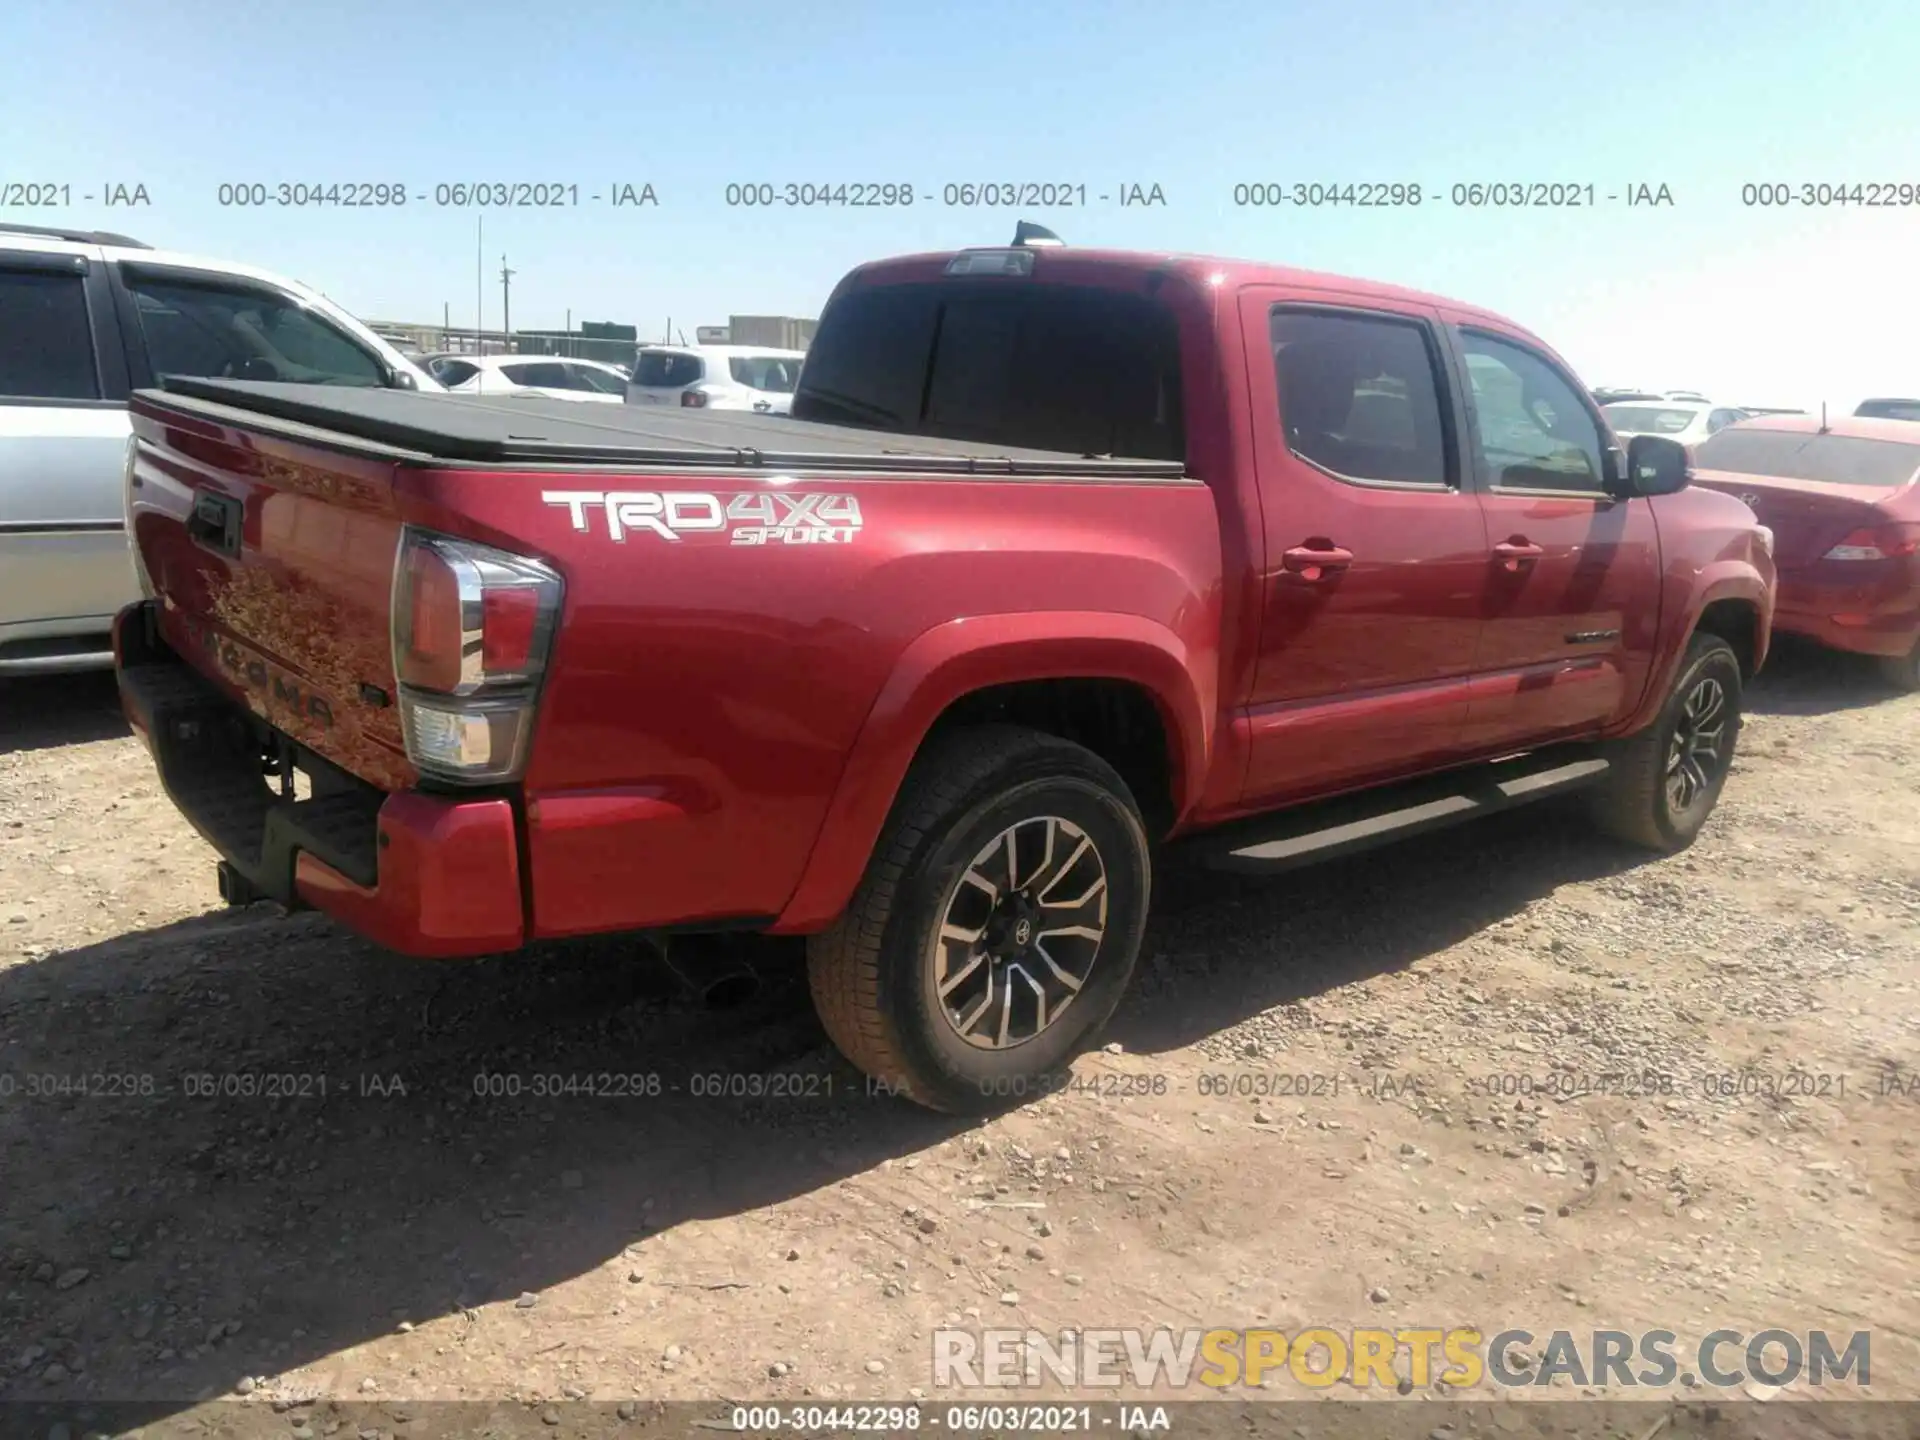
215	523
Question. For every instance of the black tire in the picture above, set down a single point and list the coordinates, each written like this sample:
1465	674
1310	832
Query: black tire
1902	671
873	975
1636	802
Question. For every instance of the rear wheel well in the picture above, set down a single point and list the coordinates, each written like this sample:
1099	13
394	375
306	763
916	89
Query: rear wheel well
1734	621
1115	719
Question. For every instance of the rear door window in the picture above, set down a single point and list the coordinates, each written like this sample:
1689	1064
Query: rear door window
1359	397
545	376
46	342
775	374
668	370
600	382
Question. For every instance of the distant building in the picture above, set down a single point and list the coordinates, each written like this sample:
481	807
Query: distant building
777	332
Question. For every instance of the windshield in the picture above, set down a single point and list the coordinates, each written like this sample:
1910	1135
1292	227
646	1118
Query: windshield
1649	419
1794	455
776	373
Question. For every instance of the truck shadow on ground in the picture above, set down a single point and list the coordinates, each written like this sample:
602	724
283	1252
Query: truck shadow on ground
1222	948
253	1120
1802	678
47	711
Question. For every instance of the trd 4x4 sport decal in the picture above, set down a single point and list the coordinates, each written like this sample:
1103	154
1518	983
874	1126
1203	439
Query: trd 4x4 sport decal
757	517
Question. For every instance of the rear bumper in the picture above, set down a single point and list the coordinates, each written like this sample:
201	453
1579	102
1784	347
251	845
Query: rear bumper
1870	619
420	874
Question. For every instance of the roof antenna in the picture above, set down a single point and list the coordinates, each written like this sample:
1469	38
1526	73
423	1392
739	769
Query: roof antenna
1029	234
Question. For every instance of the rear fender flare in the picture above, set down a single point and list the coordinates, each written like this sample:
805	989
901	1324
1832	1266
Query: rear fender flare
960	657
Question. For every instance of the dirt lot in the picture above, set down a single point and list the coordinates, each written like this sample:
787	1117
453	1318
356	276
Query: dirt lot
390	1232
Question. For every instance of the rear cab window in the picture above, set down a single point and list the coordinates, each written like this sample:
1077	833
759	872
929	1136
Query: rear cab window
1079	369
668	370
1797	455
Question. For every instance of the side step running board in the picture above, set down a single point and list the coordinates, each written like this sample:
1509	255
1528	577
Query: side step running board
1351	823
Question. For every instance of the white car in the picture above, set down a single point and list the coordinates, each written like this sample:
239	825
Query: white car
86	317
716	377
552	376
1687	421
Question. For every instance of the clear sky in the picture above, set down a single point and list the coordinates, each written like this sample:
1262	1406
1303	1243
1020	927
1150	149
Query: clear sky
1766	306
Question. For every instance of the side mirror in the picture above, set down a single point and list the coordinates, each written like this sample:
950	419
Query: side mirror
1655	466
403	380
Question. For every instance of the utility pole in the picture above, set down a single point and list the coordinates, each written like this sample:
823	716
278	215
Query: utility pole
479	286
446	323
506	309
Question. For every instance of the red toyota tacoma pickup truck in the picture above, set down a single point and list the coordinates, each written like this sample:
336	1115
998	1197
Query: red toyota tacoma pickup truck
1062	555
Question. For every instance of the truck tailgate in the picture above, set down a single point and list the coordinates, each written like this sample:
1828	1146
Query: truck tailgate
271	566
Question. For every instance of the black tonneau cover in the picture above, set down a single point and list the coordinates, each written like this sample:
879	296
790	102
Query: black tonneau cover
500	431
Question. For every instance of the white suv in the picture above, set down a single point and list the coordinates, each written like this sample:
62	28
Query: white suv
716	377
86	318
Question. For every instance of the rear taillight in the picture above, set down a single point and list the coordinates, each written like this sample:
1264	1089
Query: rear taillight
1878	542
693	399
471	629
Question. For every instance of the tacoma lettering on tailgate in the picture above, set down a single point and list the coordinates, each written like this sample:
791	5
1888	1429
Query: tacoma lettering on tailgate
270	683
757	517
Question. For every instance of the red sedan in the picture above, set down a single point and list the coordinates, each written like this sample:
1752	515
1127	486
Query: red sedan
1844	509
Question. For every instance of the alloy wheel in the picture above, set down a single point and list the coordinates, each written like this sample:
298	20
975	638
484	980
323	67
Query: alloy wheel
1696	755
1020	932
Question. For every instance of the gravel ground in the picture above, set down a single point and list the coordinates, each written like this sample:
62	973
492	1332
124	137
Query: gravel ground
1510	1076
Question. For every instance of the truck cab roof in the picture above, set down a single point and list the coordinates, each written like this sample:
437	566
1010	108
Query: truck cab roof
1200	271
